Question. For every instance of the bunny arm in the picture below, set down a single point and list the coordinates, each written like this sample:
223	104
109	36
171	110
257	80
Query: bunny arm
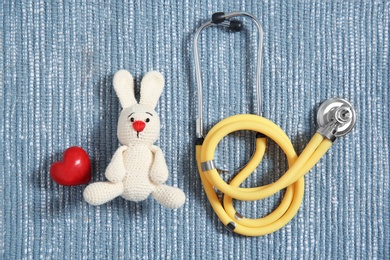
115	171
159	170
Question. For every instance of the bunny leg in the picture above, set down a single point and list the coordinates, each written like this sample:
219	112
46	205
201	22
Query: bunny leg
101	192
170	197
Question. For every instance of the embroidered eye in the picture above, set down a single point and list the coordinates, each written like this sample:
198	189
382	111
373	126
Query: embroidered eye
147	120
132	119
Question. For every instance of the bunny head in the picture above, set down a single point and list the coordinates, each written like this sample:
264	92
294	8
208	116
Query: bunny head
138	122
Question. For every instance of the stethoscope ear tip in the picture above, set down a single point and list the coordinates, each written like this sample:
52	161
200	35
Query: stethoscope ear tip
233	24
218	17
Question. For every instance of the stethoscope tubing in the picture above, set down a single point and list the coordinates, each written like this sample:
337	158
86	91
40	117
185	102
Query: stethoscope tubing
266	127
292	180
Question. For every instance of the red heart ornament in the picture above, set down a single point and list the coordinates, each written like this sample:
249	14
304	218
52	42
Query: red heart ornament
74	169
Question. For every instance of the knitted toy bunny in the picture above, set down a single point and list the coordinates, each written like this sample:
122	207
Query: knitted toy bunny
138	167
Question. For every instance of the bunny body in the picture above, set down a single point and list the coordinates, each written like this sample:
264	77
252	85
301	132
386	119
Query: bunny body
138	167
137	184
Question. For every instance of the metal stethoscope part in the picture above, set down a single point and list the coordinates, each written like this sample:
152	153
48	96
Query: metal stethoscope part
221	19
336	117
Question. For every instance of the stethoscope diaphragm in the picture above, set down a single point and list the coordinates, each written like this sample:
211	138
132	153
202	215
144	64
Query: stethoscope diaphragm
339	113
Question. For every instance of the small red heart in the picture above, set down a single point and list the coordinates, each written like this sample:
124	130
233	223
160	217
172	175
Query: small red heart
74	169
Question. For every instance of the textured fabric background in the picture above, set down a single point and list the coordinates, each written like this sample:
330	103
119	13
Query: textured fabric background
57	60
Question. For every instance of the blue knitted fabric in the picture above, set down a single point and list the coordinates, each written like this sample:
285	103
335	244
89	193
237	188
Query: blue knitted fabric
57	60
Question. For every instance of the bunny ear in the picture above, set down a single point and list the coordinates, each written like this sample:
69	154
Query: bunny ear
124	88
152	85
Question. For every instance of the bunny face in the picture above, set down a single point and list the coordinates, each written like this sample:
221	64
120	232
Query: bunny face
138	122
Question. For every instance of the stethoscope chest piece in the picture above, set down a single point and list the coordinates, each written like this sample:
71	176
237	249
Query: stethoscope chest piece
336	117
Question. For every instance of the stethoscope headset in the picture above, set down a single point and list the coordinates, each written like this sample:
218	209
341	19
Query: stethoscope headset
336	117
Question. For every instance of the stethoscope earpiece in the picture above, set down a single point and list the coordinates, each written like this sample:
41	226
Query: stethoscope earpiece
218	17
233	24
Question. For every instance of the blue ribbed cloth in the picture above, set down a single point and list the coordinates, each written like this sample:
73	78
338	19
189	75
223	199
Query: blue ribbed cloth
57	60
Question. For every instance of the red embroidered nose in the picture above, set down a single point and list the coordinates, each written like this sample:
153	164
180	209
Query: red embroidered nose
139	126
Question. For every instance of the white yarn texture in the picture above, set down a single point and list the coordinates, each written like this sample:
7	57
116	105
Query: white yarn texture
138	168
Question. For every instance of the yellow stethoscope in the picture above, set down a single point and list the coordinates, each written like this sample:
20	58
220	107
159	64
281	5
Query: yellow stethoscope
336	117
